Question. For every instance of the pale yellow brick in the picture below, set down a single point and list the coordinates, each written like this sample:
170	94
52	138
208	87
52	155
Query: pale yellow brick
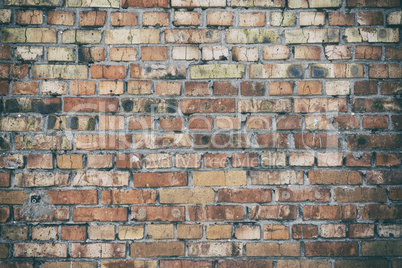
186	18
29	53
312	36
29	35
312	18
132	36
215	53
101	232
82	36
54	88
160	231
187	196
219	178
59	72
244	54
185	53
60	54
217	71
372	35
284	19
337	87
131	232
252	36
5	15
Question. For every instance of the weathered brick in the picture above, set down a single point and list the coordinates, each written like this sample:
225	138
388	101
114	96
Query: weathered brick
99	214
157	249
215	213
29	35
101	178
261	71
36	250
312	36
215	249
272	249
329	212
334	249
304	231
98	250
219	231
238	36
273	212
219	178
284	19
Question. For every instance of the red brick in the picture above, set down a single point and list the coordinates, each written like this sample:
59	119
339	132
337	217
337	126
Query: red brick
99	214
186	264
200	123
331	249
280	88
92	18
388	160
341	19
154	53
250	89
381	212
98	250
167	179
224	88
128	197
369	18
361	230
274	212
287	122
73	232
304	231
157	249
123	19
244	195
365	87
215	213
108	71
356	160
72	197
329	212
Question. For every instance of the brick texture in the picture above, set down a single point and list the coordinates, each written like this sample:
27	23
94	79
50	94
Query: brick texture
200	133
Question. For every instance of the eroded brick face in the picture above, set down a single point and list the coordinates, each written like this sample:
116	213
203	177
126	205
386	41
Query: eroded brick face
200	133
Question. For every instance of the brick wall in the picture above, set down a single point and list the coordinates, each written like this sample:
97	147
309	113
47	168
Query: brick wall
200	133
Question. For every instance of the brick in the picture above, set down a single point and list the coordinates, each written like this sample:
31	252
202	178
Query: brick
333	230
248	232
91	54
160	231
217	249
70	161
284	19
25	88
314	4
393	230
103	142
360	263
256	106
346	122
258	122
261	71
244	36
331	249
13	71
341	19
312	18
244	195
329	212
384	159
329	159
72	197
215	160
286	122
4	214
42	179
132	36
44	233
393	53
160	179
190	106
112	4
27	17
158	72
272	249
157	249
365	87
168	88
361	230
141	122
381	248
189	231
99	214
380	141
383	177
111	122
220	18
146	4
188	160
220	141
219	178
186	18
153	53
98	250
128	197
100	178
60	18
214	71
185	53
196	88
101	232
368	52
59	72
29	35
186	196
384	35
276	177
338	52
215	213
301	159
125	263
250	3
224	88
357	160
334	177
191	36
198	3
157	19
380	212
273	212
82	87
310	36
12	197
214	232
394	18
131	232
302	263
307	53
92	18
275	232
304	231
277	52
245	160
316	141
82	37
15	232
305	194
5	15
369	18
29	250
255	19
215	53
244	54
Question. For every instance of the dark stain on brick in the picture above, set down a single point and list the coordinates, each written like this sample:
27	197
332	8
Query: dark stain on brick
12	106
171	106
354	70
205	140
91	124
362	141
128	105
295	71
382	33
51	122
318	72
73	122
4	145
84	55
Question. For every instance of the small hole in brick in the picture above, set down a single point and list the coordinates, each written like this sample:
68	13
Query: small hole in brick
35	199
